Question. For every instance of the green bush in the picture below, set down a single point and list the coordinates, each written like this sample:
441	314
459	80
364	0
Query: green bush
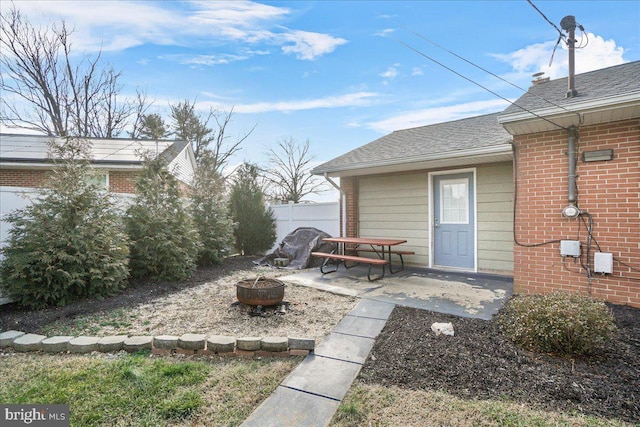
164	240
560	323
69	243
255	226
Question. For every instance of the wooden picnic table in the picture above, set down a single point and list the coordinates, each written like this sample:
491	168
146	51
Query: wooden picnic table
379	246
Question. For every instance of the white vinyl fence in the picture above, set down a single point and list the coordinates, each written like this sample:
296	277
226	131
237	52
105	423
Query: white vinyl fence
323	216
12	198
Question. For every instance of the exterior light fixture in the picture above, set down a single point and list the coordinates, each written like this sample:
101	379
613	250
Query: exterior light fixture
597	156
571	211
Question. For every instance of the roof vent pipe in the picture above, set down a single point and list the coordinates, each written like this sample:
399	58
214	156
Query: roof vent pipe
573	136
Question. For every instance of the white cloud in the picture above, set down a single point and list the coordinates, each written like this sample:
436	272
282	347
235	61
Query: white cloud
391	73
423	117
310	46
597	54
208	60
115	26
357	99
417	71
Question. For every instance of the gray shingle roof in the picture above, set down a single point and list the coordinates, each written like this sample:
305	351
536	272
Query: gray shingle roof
607	82
417	143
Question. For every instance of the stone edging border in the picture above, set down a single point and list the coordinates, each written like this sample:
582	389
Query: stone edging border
187	344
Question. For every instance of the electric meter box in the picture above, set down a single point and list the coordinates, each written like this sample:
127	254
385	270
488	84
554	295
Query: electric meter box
570	248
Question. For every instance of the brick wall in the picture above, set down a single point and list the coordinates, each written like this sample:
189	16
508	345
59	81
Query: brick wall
23	178
608	190
122	181
119	181
349	186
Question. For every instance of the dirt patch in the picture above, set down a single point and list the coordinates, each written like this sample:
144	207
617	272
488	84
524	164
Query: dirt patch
480	363
206	303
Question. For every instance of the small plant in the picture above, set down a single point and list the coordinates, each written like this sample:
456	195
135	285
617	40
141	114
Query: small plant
560	323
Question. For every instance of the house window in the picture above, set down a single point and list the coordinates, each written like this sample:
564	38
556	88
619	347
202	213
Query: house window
99	178
454	201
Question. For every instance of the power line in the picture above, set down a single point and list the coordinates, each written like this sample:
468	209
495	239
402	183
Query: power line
477	84
476	65
546	19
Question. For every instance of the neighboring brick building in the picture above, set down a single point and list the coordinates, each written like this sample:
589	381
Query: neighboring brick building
25	165
399	186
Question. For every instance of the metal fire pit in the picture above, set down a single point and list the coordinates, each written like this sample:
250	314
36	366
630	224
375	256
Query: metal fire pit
260	291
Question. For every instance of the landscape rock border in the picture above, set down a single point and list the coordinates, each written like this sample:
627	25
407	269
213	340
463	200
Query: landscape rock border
187	344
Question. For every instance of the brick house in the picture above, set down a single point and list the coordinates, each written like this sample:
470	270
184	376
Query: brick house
490	194
25	165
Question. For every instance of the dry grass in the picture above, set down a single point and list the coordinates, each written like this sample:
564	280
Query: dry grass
375	405
209	309
134	390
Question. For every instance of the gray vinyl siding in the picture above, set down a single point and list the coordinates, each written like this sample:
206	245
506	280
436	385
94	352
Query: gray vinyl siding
494	194
397	206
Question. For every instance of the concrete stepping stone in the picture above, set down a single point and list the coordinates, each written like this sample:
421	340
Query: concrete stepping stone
83	344
323	376
138	343
372	309
192	341
274	344
111	343
287	407
28	342
55	344
221	344
345	347
7	338
360	326
249	343
166	342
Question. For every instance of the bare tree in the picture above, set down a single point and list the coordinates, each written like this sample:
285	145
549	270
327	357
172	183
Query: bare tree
209	145
46	91
290	172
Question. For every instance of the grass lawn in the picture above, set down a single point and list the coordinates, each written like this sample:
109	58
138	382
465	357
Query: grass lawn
138	390
375	405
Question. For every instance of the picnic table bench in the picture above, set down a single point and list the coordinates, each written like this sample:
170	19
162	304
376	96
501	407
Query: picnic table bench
377	246
355	259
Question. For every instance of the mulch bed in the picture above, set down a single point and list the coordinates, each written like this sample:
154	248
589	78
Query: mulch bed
480	363
12	316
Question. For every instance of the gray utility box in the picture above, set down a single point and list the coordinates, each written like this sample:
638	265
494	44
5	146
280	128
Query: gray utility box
603	262
570	248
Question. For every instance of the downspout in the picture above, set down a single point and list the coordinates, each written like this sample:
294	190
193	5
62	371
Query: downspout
573	135
343	202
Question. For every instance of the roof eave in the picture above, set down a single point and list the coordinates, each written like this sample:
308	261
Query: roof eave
602	110
492	154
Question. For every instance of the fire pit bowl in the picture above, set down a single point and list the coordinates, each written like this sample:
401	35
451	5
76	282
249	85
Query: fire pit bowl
260	291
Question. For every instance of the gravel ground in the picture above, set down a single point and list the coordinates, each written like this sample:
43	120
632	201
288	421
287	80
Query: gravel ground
206	303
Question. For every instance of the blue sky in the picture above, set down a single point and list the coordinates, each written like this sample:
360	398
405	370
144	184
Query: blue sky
336	72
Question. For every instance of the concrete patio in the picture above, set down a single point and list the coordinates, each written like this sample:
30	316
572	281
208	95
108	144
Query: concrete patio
460	294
